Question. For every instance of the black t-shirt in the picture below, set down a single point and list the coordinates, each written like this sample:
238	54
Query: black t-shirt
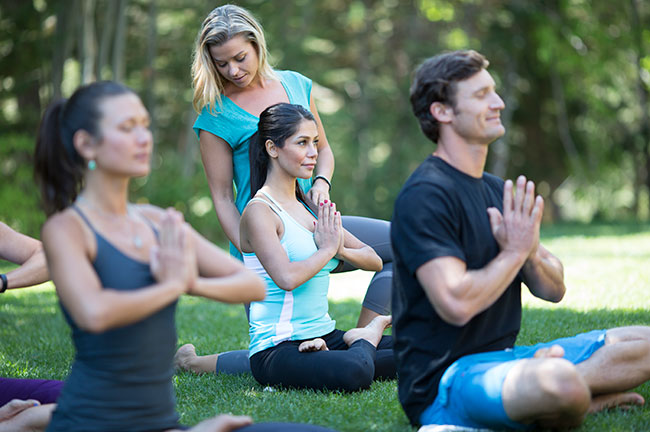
442	212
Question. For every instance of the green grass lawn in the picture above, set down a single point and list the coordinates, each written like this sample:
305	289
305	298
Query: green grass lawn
607	270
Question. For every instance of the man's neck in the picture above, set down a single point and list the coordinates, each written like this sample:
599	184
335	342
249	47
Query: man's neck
465	157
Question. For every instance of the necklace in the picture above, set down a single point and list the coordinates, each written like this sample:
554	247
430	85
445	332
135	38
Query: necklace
135	237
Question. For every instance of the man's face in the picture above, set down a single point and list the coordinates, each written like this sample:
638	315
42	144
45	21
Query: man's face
476	116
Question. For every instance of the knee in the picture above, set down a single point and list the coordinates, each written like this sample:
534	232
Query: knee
354	376
562	383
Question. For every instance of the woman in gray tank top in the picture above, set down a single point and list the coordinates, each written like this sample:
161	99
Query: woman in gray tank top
119	268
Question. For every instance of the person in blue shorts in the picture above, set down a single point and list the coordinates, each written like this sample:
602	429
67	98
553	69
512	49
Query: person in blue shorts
464	241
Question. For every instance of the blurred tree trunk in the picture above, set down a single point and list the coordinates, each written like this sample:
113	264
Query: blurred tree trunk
108	30
118	45
149	72
65	25
87	41
642	91
362	105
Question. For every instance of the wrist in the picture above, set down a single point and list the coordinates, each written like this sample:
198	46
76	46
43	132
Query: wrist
324	180
4	283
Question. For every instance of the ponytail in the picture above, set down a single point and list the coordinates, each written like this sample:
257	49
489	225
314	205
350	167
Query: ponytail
58	172
58	167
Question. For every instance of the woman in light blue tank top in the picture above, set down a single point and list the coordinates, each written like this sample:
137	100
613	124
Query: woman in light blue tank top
120	268
294	342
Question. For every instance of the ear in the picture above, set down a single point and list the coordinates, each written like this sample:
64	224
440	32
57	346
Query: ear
85	144
271	149
441	112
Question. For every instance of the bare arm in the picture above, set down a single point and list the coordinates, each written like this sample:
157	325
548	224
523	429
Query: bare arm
224	278
544	275
95	308
319	191
26	251
459	294
261	234
221	277
216	155
355	252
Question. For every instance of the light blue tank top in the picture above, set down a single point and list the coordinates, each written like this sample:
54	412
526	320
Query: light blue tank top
236	126
290	315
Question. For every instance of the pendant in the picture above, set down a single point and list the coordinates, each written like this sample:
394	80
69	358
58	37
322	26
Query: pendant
137	242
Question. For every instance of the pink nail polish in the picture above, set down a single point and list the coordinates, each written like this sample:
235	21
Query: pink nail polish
331	204
325	201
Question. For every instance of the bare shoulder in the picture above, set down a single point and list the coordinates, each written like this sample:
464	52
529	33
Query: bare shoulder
65	230
258	211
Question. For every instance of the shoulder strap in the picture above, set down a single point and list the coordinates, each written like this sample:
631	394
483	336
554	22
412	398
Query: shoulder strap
272	205
85	219
145	219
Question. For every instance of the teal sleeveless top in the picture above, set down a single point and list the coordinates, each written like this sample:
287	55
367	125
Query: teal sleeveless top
290	315
236	126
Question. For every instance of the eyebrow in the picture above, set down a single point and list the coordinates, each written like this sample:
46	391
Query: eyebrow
238	54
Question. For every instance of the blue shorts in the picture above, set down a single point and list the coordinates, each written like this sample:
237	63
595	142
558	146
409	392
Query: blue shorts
469	393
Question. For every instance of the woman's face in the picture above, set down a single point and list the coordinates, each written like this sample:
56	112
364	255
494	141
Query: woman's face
298	155
126	142
236	60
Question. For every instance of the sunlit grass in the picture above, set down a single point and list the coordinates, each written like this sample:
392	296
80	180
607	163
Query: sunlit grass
607	274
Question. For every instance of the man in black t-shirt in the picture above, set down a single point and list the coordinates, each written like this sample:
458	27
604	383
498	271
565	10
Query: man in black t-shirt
463	243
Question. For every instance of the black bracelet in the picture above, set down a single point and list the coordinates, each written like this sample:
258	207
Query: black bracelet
329	185
5	284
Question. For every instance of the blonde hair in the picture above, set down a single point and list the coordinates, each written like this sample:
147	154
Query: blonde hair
221	25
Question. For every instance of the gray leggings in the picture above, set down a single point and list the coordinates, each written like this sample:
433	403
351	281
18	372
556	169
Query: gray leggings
376	234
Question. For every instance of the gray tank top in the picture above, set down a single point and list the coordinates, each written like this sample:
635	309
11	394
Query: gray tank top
121	379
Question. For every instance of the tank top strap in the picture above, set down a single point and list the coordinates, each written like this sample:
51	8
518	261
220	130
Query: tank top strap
84	218
147	221
275	203
277	211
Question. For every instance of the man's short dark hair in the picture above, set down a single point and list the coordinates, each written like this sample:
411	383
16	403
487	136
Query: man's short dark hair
435	81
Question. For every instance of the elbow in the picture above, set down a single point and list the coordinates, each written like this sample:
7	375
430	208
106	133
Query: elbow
456	313
94	319
286	282
258	289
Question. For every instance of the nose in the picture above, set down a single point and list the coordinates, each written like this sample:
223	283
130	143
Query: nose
144	135
233	70
312	150
497	103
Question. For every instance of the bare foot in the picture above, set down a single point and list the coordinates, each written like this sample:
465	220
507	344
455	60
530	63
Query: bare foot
372	332
553	351
15	406
615	400
317	344
184	356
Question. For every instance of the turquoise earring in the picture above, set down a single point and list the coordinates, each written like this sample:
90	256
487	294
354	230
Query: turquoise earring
92	165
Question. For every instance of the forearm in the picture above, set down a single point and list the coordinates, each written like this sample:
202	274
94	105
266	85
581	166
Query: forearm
229	218
544	276
108	308
295	273
243	286
364	258
325	163
32	272
458	294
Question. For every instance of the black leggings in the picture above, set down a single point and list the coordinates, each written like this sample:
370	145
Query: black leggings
341	368
376	234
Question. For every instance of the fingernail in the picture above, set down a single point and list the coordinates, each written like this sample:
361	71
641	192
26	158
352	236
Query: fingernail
321	204
331	204
325	201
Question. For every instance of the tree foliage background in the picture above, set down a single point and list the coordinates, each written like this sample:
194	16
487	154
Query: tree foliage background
574	74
